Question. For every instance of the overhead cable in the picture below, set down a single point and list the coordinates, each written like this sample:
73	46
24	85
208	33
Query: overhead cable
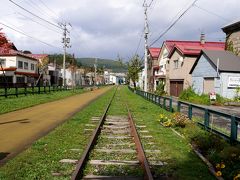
38	23
35	14
25	34
164	32
212	13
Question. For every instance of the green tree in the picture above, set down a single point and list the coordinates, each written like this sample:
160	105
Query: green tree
134	67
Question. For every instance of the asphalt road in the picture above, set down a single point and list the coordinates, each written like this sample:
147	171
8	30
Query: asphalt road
19	129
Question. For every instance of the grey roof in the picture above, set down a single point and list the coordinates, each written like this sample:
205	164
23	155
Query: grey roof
233	26
227	60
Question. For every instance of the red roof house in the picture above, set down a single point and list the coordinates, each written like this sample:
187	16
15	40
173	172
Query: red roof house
182	56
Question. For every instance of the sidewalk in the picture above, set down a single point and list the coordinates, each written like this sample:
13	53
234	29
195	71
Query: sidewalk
19	129
232	110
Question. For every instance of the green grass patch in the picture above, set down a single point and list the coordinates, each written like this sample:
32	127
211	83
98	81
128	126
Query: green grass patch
182	162
42	158
12	103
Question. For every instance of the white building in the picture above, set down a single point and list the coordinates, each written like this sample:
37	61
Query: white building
18	69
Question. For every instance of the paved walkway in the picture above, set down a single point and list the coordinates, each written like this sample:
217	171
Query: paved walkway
232	110
21	128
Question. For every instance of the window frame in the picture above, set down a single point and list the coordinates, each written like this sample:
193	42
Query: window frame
20	67
25	65
32	67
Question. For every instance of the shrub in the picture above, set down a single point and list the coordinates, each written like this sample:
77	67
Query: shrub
168	123
163	118
207	142
190	96
180	120
160	89
187	94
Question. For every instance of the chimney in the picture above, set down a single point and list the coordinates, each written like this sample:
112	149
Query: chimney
202	38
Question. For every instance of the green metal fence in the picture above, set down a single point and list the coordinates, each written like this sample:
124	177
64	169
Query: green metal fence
17	91
223	124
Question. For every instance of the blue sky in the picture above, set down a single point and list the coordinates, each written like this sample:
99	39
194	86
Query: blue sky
108	28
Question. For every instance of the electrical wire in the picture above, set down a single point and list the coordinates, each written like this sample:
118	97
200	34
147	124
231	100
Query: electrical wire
170	27
212	13
25	34
38	23
50	10
35	15
139	43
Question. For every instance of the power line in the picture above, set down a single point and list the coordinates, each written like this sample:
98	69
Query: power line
25	34
50	10
174	22
38	23
212	13
140	40
35	14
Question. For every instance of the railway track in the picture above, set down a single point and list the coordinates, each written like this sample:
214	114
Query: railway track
115	150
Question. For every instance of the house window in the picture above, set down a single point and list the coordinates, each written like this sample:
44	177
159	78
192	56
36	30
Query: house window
176	64
20	64
3	62
32	67
20	80
25	65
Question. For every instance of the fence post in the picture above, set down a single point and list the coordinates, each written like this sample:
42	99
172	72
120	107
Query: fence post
190	111
44	87
25	90
178	106
234	128
164	102
16	91
5	92
170	105
32	89
39	89
49	88
159	101
206	118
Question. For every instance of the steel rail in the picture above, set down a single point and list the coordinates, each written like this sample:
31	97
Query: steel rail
140	151
78	173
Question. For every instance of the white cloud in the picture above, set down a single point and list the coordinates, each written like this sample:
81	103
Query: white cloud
104	28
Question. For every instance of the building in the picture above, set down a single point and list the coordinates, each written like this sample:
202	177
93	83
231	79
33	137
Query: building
152	66
233	37
17	69
181	59
216	71
161	71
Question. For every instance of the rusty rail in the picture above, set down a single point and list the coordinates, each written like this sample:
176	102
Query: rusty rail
78	173
140	152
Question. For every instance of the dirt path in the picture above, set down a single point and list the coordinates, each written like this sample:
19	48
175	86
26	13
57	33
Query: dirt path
21	128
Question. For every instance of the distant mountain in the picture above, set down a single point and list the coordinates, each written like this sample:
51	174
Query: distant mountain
116	66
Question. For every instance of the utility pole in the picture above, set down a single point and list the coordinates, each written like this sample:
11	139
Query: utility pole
95	71
146	32
65	41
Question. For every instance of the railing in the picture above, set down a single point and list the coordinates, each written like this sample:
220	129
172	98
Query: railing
223	124
162	101
16	91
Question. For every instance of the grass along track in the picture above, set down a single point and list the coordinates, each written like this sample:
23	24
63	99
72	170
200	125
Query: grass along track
41	160
68	141
179	159
13	103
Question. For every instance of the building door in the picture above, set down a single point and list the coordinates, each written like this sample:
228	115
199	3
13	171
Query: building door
208	85
176	87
